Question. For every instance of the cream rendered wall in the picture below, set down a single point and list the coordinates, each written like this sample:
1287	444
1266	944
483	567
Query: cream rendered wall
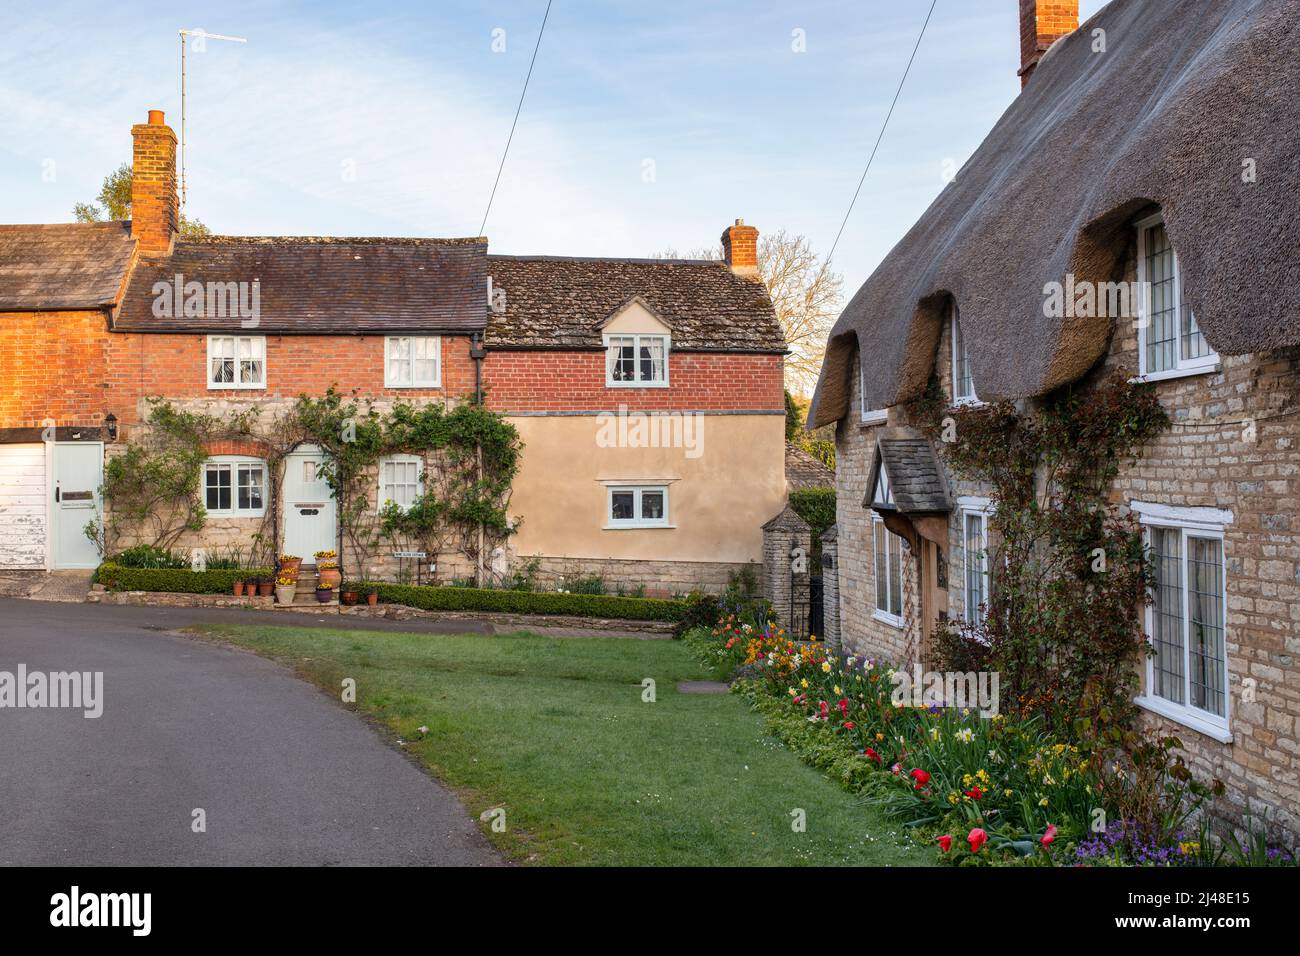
717	502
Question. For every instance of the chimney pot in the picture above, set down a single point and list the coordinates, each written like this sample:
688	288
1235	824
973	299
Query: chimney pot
156	118
740	248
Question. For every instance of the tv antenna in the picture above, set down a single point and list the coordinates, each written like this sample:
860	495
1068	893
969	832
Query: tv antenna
203	35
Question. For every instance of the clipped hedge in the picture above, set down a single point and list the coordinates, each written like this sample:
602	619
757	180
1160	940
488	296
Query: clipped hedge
177	580
523	602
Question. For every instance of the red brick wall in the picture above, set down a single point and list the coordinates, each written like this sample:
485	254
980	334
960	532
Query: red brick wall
67	366
575	381
175	366
52	366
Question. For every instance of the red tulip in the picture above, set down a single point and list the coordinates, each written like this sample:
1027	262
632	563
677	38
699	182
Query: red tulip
976	838
1049	836
975	793
844	705
824	709
849	725
921	778
871	755
945	843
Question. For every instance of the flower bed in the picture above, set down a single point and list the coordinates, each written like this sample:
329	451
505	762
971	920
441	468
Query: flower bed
990	789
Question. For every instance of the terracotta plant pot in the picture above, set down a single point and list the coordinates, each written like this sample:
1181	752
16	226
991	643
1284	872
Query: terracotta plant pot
349	597
330	577
324	595
372	598
291	566
284	593
239	589
266	588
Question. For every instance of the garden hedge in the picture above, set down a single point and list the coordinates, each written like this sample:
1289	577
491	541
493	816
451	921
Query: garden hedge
178	580
428	598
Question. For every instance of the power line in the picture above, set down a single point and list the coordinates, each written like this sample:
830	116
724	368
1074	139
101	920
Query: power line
883	126
522	94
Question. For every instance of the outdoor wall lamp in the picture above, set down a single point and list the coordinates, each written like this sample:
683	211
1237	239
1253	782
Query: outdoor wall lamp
110	423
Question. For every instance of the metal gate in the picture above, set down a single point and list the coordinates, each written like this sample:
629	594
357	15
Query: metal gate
806	615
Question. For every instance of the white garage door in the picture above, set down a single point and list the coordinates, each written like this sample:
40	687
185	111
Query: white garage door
22	506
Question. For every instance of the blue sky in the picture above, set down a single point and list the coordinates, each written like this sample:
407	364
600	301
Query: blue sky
389	118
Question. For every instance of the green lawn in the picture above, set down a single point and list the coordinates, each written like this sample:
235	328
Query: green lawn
556	732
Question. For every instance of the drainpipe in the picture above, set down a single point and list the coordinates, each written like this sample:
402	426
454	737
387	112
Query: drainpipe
477	353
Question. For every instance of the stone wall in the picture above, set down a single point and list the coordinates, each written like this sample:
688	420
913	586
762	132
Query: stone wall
1233	447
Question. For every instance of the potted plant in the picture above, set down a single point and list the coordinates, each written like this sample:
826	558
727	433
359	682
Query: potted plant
286	585
290	564
349	596
266	586
324	593
327	568
239	587
372	597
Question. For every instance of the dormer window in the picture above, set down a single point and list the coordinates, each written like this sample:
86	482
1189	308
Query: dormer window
636	360
963	383
1170	342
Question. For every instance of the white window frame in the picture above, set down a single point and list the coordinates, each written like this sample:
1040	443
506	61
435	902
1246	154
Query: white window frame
982	509
1200	365
234	464
884	615
872	416
235	340
416	460
410	340
636	337
611	524
1200	523
953	334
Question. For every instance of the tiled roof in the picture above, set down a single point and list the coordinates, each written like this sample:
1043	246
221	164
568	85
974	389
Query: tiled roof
915	477
322	284
66	266
554	302
802	470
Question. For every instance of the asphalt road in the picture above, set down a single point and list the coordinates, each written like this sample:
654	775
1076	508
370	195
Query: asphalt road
283	774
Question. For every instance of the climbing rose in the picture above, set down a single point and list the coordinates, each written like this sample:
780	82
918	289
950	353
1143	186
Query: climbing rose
1049	836
945	843
976	838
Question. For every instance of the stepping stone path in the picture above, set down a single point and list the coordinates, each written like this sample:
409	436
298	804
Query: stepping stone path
702	687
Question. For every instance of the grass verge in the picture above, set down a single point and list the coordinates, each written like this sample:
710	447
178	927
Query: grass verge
556	731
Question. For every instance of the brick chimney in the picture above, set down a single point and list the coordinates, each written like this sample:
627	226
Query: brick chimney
740	248
154	214
1042	23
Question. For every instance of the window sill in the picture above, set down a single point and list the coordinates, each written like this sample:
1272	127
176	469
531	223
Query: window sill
1176	373
884	617
1186	717
968	403
875	418
235	514
609	384
636	527
413	385
232	387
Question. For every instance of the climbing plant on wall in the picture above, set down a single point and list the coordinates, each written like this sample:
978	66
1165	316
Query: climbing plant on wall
1068	576
471	457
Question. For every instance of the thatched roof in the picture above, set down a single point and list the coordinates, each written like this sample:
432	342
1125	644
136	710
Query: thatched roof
1182	95
803	471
